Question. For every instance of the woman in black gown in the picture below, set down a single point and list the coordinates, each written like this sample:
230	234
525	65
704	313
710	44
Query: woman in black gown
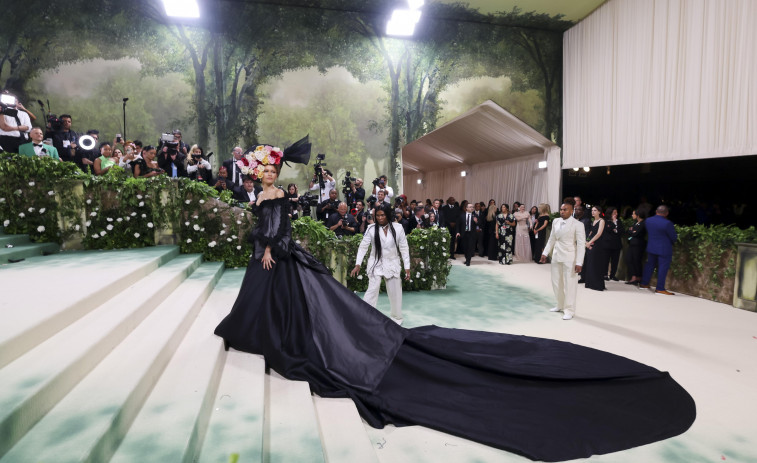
637	243
614	232
547	400
595	262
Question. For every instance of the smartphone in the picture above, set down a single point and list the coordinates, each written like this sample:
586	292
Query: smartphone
118	137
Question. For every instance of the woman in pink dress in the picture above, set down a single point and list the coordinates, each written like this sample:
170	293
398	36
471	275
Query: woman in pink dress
522	241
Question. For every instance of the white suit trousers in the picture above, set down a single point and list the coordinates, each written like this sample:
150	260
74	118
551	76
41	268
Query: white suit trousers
393	289
565	284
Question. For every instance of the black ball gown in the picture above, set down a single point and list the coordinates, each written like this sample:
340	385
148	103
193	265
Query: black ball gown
544	399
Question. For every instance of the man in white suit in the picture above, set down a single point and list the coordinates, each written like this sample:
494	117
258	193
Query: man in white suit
568	239
387	242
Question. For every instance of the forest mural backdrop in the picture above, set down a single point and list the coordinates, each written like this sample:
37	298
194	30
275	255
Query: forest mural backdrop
250	72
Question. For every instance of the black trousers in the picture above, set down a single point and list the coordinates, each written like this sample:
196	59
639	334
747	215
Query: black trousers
11	144
614	256
634	258
468	240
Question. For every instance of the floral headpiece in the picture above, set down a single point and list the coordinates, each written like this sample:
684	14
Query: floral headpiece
253	162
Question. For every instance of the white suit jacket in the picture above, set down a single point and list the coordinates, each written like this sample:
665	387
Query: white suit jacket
390	265
567	242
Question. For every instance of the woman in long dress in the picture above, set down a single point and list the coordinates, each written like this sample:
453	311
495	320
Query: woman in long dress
522	239
547	400
540	231
596	252
505	235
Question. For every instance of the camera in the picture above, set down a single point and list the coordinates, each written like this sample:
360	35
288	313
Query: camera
307	201
166	138
8	105
56	125
347	188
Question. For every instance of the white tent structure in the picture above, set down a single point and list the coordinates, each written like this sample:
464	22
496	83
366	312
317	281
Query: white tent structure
499	153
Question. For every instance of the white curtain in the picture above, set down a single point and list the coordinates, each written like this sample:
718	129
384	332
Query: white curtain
511	180
660	80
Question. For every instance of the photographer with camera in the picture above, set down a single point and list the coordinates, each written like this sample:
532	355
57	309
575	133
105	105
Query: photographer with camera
329	184
170	156
379	184
15	124
361	216
352	189
342	223
326	208
64	139
294	198
198	168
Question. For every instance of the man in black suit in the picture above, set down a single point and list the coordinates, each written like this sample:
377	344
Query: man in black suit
467	228
436	209
480	212
416	221
450	214
249	191
232	170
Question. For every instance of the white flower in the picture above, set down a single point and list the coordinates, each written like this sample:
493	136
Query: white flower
223	232
149	225
109	219
195	217
42	211
421	247
418	275
51	193
228	239
144	216
434	277
2	200
31	209
187	202
189	240
21	214
139	196
88	223
77	227
215	209
423	265
186	224
31	183
298	242
93	214
239	248
109	227
136	235
41	228
128	218
444	240
89	201
239	222
234	236
95	236
119	219
212	244
224	225
436	243
141	203
6	223
17	192
202	229
103	233
202	201
360	277
196	227
133	214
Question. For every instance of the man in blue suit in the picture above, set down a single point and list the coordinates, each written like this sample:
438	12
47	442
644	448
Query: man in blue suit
661	236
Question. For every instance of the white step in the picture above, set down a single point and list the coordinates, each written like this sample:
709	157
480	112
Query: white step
36	381
172	423
292	433
236	425
89	423
343	433
63	288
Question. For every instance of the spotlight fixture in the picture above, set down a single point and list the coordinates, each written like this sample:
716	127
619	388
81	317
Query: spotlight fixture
608	170
182	8
542	164
586	169
575	169
463	173
402	22
420	181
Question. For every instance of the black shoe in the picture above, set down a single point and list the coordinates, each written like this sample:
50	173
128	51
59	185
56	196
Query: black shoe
452	257
614	279
467	264
607	278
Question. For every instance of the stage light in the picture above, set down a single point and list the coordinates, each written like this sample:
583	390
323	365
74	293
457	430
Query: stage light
414	4
182	8
575	169
87	142
420	181
586	169
463	174
403	22
542	164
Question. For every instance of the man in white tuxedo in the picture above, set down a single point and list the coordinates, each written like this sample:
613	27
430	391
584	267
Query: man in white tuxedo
568	245
388	243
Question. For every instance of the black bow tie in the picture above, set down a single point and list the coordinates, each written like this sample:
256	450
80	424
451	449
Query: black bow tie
37	144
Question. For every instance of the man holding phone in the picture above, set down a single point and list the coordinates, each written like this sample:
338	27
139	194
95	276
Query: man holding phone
14	124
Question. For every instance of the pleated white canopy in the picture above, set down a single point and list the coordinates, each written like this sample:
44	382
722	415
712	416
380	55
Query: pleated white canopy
498	152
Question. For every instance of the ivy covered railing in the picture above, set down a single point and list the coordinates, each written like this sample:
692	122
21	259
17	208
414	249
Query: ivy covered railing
54	202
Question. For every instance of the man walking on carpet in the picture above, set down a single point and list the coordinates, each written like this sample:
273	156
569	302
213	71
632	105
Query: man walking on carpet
661	235
567	242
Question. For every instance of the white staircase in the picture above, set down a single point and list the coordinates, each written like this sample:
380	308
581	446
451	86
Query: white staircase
110	356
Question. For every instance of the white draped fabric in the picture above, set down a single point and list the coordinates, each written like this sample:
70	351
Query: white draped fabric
661	80
498	151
